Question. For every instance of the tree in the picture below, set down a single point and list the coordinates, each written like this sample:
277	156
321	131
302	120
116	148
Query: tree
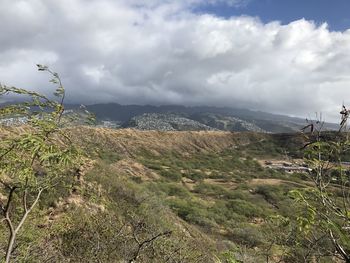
326	205
33	159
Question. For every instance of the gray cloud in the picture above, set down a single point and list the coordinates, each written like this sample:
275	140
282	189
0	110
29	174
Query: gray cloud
127	52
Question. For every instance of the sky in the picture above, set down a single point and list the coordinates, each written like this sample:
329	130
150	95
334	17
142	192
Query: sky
335	13
289	57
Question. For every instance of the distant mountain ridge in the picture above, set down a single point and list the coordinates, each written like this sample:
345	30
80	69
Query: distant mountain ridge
166	122
115	111
197	118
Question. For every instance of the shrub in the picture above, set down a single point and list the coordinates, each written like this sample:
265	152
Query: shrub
245	208
211	190
196	176
172	175
108	156
169	189
248	236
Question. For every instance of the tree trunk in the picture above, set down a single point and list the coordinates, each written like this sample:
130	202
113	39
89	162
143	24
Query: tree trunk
14	231
11	242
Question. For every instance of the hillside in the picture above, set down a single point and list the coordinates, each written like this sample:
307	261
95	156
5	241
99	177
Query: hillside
180	118
150	196
220	118
165	122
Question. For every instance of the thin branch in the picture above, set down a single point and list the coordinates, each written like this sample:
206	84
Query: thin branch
9	200
339	248
145	242
25	201
29	210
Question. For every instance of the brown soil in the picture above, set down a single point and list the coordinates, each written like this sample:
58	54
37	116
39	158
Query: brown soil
269	181
188	183
272	181
221	182
130	142
131	168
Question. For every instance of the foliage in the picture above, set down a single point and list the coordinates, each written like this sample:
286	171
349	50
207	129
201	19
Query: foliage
325	205
197	204
33	159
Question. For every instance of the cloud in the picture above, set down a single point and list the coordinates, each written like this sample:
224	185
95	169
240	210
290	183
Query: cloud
187	3
159	53
232	3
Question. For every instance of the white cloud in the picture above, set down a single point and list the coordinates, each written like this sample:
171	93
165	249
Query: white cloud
187	3
161	52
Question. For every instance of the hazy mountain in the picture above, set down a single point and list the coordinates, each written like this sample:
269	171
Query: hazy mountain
166	122
221	118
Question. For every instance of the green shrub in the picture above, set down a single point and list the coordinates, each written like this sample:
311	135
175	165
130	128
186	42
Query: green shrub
109	156
196	176
153	166
192	212
169	189
245	208
172	175
211	190
249	236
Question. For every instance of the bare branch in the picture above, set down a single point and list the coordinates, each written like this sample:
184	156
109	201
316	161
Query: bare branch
145	242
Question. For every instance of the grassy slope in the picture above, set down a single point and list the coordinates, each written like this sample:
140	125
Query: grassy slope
204	187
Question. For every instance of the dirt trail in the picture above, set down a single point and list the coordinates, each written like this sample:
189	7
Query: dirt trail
273	181
221	182
267	182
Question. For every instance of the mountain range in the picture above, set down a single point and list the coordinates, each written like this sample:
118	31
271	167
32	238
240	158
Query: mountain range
174	117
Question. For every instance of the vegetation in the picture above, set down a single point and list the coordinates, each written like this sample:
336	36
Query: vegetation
32	161
165	197
326	204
